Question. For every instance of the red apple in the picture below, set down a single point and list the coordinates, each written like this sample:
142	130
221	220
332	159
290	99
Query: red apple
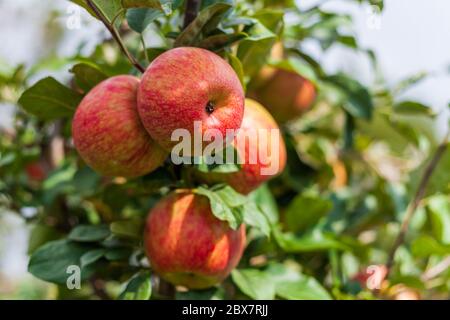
286	95
36	171
187	245
187	84
251	175
108	134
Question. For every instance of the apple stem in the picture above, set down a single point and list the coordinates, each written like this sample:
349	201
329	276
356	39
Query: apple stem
115	35
192	8
420	193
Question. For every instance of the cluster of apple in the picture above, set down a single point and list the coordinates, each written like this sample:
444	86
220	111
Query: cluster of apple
123	127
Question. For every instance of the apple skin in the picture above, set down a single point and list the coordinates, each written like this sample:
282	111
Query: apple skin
187	245
249	177
286	95
177	87
108	134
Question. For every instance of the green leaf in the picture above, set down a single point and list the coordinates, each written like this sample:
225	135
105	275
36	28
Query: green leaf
225	203
355	98
132	228
207	294
424	246
218	163
219	41
206	20
48	99
50	262
255	217
438	207
315	241
254	50
254	283
89	233
138	288
237	67
109	8
114	254
87	76
91	257
265	200
155	4
140	18
292	285
413	108
305	210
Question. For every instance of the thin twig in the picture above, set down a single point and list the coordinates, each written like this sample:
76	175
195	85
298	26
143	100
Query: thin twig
116	36
191	11
417	199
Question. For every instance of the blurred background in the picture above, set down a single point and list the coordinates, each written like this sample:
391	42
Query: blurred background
409	37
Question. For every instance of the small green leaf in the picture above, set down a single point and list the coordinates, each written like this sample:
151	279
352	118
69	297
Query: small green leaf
413	108
87	76
255	217
114	254
218	163
206	20
138	288
424	246
254	283
48	99
237	67
218	42
315	241
355	98
265	200
305	210
438	207
89	233
155	4
140	18
91	256
292	285
132	228
50	262
225	203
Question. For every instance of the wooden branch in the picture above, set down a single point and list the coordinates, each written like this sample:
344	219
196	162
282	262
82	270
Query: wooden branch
116	36
420	193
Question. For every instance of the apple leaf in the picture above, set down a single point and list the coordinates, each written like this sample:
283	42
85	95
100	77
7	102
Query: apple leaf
140	18
265	200
254	50
314	241
87	76
206	20
155	4
305	210
91	257
413	108
296	66
138	288
50	262
254	283
438	207
237	67
218	163
89	233
293	285
355	98
218	42
48	99
132	228
425	246
235	208
225	203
